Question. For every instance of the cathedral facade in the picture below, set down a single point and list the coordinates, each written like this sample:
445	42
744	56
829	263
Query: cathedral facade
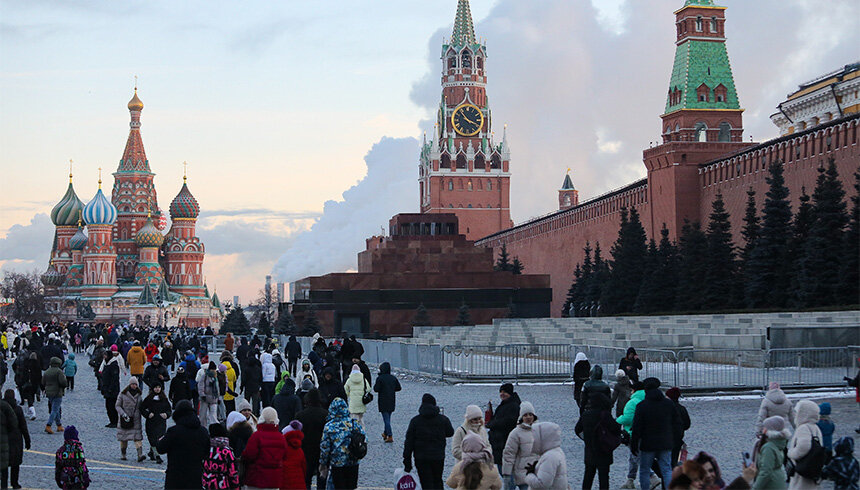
110	261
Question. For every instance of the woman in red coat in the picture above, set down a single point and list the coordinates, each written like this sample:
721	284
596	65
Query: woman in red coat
265	452
295	465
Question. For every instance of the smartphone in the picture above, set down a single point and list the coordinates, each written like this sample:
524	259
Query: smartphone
747	459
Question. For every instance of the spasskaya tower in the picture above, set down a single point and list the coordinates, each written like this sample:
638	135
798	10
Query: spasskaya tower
463	170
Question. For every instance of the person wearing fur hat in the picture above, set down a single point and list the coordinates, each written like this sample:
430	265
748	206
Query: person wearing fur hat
186	444
313	418
504	420
307	370
475	471
128	408
70	465
155	409
621	392
473	422
806	415
426	438
243	406
771	459
294	465
518	450
674	394
219	467
264	454
775	403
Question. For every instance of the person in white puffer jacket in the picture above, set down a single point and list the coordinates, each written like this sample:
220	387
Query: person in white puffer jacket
269	375
805	419
518	448
550	471
775	403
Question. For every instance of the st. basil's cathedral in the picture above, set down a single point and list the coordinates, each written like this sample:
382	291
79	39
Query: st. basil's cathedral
110	261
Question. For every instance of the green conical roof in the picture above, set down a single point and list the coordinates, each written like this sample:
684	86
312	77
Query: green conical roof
703	3
205	290
163	293
215	301
697	63
146	297
464	30
568	184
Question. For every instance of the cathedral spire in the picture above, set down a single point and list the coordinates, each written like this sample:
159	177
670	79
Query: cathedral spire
134	156
464	30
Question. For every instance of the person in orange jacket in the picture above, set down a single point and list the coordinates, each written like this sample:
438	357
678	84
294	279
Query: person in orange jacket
136	359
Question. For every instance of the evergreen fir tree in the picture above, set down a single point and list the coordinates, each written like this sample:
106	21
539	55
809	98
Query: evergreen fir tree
572	297
768	271
599	276
503	263
819	273
311	325
749	233
692	257
850	273
720	268
800	228
463	316
666	282
626	271
264	328
236	322
512	309
517	266
648	297
285	323
422	317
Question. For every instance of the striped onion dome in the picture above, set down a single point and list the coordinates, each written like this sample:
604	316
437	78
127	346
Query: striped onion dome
52	278
148	235
99	211
78	240
65	213
184	205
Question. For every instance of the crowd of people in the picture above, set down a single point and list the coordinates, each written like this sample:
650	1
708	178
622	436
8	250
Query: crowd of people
255	414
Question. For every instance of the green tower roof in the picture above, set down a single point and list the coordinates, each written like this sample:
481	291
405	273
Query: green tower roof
567	185
464	31
146	297
701	3
697	63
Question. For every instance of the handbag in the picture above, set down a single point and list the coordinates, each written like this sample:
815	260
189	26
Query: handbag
125	422
368	396
810	465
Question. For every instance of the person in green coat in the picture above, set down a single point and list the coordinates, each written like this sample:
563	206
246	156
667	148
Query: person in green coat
626	421
771	458
54	381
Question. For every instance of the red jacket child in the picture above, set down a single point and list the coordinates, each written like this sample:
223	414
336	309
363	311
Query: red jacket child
264	454
151	350
293	473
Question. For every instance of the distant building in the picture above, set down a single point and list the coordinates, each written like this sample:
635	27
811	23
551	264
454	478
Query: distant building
823	99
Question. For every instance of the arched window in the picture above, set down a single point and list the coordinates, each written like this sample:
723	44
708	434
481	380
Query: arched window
720	93
725	132
461	161
567	200
489	185
450	185
714	25
452	62
479	62
446	161
496	161
470	206
466	59
703	93
450	205
699	23
479	162
469	185
701	132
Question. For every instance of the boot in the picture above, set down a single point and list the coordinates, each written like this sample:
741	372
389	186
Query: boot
151	454
48	429
631	484
140	456
32	413
122	452
60	428
158	458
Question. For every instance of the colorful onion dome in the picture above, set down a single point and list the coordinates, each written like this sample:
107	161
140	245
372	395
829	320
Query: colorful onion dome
65	213
79	239
51	277
148	236
135	104
184	205
99	211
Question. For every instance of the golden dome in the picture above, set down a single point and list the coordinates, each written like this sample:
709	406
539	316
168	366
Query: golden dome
135	104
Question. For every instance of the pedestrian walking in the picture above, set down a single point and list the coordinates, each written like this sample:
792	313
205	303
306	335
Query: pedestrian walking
19	439
110	369
519	450
130	429
682	427
186	445
473	422
476	469
70	369
806	429
9	426
252	380
843	470
387	385
653	430
264	454
356	387
294	466
621	392
155	410
219	466
230	377
581	374
55	384
827	427
156	372
595	384
268	375
293	350
335	455
179	387
308	371
631	364
330	387
426	437
775	403
550	471
209	394
771	459
313	418
70	464
601	434
136	359
503	422
239	431
24	380
286	403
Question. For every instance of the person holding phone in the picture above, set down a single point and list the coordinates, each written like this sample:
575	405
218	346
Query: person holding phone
631	365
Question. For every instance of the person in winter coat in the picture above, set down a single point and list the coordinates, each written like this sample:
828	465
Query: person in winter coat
426	438
230	394
23	380
179	388
19	439
284	377
268	375
264	454
595	384
476	469
654	425
312	418
581	374
518	450
219	467
168	355
805	418
151	351
128	408
136	359
775	403
597	458
473	422
109	379
504	420
294	466
771	459
356	387
550	471
330	387
186	445
293	350
209	394
252	382
683	426
8	426
307	370
621	392
70	369
843	469
826	426
155	372
631	364
334	446
387	386
229	341
239	431
155	409
55	383
287	403
70	465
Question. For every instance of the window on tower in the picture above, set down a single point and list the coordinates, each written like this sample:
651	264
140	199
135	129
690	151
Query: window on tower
452	62
479	62
489	185
701	131
714	25
467	59
703	93
450	185
699	24
479	162
469	185
496	161
461	161
720	93
725	132
446	161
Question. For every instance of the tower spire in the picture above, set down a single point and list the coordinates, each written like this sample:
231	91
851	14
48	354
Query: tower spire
464	30
70	170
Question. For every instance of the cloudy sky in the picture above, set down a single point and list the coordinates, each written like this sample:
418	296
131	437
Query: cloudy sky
301	121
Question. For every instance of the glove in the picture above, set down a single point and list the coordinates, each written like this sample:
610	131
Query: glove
407	465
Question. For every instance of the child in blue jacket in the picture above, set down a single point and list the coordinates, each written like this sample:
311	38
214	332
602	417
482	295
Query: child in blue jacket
70	368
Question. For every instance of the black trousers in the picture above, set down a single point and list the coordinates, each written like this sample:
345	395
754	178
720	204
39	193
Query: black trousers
110	406
430	473
230	406
292	364
71	380
602	477
11	475
313	462
345	477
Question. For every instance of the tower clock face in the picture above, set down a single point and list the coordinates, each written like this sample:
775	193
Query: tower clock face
467	120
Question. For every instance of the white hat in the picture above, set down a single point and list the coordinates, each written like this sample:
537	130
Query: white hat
269	416
473	411
527	407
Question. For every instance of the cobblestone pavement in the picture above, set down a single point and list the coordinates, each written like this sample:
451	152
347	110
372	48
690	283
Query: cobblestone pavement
722	426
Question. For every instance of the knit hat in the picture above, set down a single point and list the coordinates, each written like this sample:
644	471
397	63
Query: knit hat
527	407
650	383
217	430
293	425
473	412
507	388
269	416
133	381
673	393
428	399
775	424
71	433
475	448
235	418
137	342
222	368
620	374
242	404
773	385
114	348
824	408
212	365
307	384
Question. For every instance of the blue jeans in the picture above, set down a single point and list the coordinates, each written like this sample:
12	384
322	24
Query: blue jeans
664	462
386	419
56	410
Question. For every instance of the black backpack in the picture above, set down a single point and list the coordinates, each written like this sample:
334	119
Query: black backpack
812	463
607	442
357	447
